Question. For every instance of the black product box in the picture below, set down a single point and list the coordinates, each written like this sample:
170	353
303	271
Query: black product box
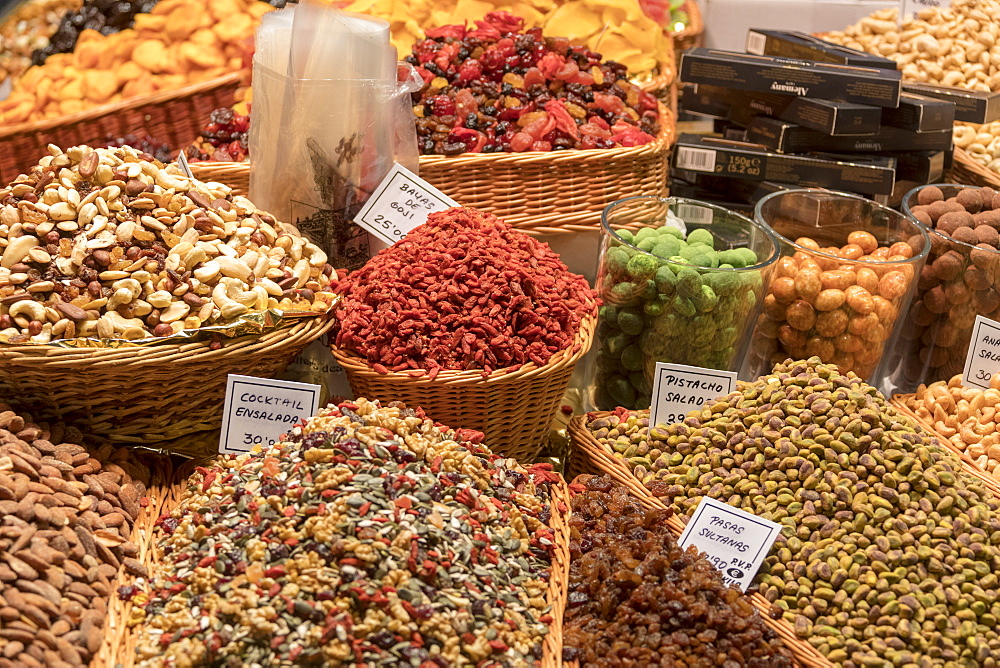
922	167
679	188
750	192
800	78
787	137
791	44
752	161
971	106
919	113
827	116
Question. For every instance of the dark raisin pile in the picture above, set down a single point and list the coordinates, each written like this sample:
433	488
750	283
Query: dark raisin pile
498	89
637	599
224	139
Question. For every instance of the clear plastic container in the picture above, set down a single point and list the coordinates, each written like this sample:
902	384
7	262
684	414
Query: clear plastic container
847	274
960	281
669	297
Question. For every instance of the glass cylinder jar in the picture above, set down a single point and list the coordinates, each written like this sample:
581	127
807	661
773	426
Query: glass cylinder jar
960	280
681	281
846	276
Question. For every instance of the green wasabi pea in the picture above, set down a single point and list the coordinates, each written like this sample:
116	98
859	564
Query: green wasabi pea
630	320
704	325
645	233
641	267
683	306
688	282
653	308
624	294
666	247
625	235
632	358
608	313
649	341
640	382
666	324
706	300
672	231
617	343
732	257
621	392
647	244
650	292
749	257
616	260
701	236
666	280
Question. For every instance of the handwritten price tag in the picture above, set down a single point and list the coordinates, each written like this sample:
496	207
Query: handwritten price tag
399	204
983	359
259	410
735	541
679	389
909	8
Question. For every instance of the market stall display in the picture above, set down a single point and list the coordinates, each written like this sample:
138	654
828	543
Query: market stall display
27	28
957	283
409	543
103	249
846	277
690	297
69	516
874	561
478	324
636	597
102	16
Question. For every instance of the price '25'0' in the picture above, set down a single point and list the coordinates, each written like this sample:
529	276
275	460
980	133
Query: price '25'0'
387	225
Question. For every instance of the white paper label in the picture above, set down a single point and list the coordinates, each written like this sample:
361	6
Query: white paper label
400	203
734	541
679	389
909	8
259	410
983	359
182	162
694	214
756	43
696	159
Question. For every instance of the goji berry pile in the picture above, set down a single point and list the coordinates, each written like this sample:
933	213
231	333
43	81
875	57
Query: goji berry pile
499	89
463	291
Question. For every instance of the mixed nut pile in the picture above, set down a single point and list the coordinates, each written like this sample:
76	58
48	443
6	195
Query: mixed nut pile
669	297
463	291
368	537
636	598
66	515
966	416
889	551
111	243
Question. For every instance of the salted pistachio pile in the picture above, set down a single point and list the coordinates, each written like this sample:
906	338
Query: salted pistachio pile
113	244
889	551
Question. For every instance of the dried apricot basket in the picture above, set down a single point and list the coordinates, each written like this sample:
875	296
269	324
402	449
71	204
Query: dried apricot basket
149	393
514	409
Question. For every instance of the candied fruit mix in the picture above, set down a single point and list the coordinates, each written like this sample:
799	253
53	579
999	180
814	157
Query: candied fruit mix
224	139
498	88
636	598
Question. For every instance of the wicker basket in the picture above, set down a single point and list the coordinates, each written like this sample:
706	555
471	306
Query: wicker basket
145	394
116	648
172	116
119	646
513	409
600	459
967	171
538	193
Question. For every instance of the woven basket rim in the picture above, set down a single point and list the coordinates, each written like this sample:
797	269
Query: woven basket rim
964	161
137	102
142	354
695	25
569	355
604	461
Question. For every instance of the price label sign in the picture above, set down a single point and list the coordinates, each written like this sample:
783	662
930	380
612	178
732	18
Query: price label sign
259	410
983	359
908	9
734	541
679	389
400	203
